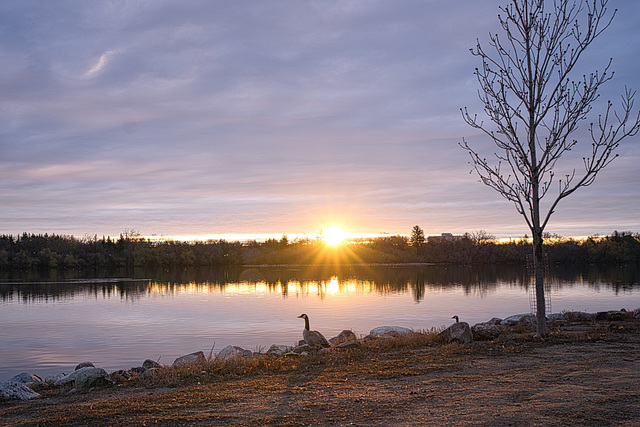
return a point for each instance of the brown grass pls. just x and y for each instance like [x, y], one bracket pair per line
[581, 374]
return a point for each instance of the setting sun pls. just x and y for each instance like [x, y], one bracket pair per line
[334, 236]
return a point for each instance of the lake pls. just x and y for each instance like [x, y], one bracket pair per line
[52, 321]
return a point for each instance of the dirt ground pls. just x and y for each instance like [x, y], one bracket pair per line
[582, 375]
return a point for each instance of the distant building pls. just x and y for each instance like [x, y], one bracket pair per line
[442, 237]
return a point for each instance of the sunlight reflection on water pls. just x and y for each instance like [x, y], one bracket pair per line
[50, 327]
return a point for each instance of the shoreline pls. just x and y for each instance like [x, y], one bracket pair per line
[585, 372]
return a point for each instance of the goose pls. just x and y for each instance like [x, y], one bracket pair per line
[457, 318]
[313, 338]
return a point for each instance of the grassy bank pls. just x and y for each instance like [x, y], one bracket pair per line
[585, 373]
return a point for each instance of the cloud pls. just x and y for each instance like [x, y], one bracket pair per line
[261, 117]
[99, 64]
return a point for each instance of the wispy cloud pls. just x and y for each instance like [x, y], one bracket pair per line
[99, 64]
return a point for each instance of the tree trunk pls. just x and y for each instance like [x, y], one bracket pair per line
[538, 268]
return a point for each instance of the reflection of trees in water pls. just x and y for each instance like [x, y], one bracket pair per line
[31, 287]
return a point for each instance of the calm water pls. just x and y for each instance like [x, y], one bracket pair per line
[51, 322]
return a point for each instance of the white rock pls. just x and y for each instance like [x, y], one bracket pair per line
[91, 377]
[487, 330]
[16, 390]
[344, 336]
[388, 331]
[198, 356]
[71, 377]
[231, 351]
[279, 349]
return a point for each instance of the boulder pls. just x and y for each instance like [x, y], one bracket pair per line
[71, 377]
[51, 379]
[614, 316]
[16, 390]
[232, 351]
[519, 318]
[84, 365]
[486, 331]
[344, 336]
[556, 317]
[303, 348]
[279, 350]
[89, 377]
[388, 331]
[458, 332]
[198, 356]
[25, 378]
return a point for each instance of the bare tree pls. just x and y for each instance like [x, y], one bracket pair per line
[535, 104]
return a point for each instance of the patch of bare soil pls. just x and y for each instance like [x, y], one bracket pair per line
[580, 375]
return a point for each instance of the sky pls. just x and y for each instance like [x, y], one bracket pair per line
[270, 117]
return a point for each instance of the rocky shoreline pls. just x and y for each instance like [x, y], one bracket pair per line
[87, 377]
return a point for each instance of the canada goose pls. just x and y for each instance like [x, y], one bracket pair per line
[457, 318]
[313, 338]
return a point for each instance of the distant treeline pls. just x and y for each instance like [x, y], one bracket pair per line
[44, 251]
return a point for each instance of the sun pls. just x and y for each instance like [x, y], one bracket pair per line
[334, 236]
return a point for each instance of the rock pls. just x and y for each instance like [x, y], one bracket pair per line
[279, 350]
[232, 351]
[495, 321]
[198, 356]
[25, 378]
[578, 316]
[88, 378]
[148, 364]
[388, 331]
[614, 316]
[556, 317]
[304, 348]
[349, 345]
[16, 390]
[486, 331]
[519, 318]
[84, 365]
[51, 379]
[458, 332]
[344, 336]
[71, 377]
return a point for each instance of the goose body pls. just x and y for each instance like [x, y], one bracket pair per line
[313, 338]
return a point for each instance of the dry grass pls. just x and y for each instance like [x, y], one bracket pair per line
[214, 369]
[409, 379]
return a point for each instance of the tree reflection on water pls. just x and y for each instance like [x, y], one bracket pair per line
[388, 279]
